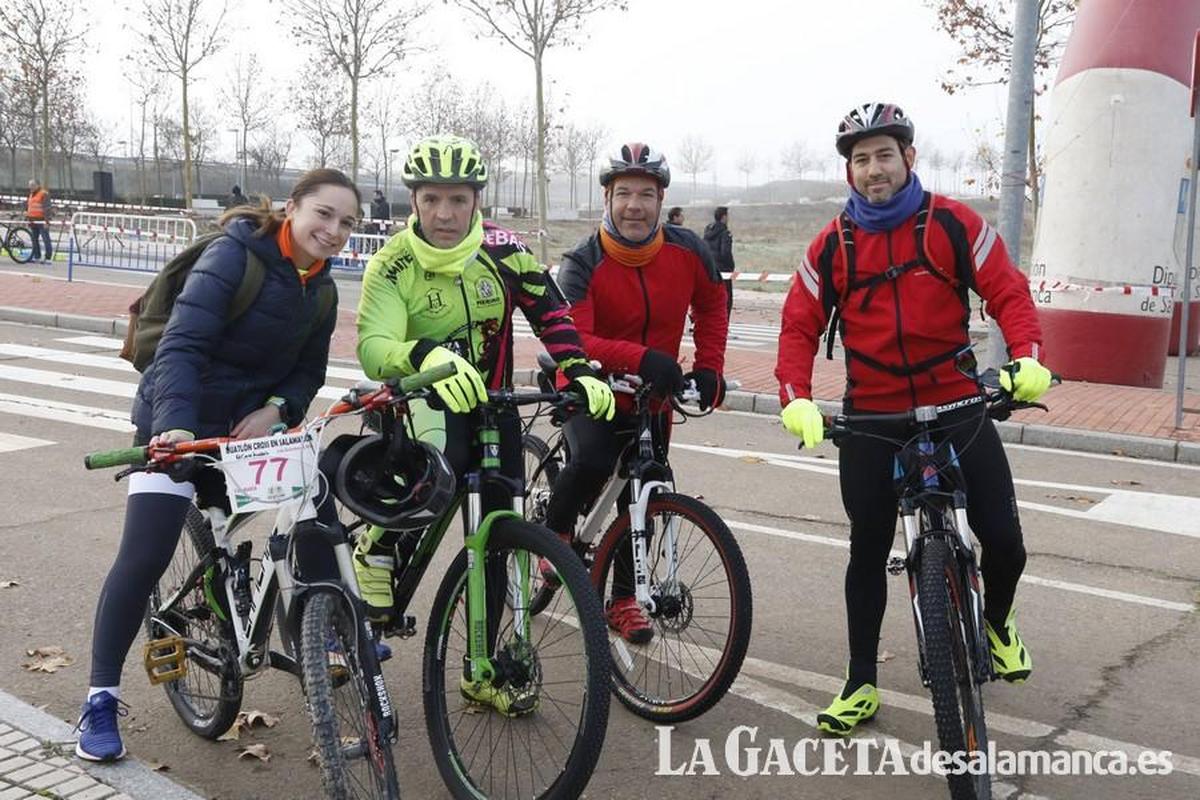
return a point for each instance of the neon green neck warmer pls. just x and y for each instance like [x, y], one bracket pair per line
[450, 261]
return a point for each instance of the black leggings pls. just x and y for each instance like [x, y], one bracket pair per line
[595, 447]
[869, 497]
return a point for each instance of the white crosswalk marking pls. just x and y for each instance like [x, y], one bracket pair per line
[65, 412]
[11, 441]
[103, 342]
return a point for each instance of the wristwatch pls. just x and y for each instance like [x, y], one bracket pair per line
[280, 404]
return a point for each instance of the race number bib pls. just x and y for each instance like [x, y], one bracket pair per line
[268, 472]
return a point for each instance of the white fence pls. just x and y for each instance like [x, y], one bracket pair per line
[126, 241]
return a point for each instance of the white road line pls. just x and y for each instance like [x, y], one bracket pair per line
[65, 412]
[1066, 586]
[11, 442]
[71, 357]
[1158, 512]
[61, 380]
[103, 342]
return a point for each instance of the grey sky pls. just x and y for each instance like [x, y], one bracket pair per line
[747, 75]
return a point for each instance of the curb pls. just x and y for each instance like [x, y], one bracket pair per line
[128, 775]
[1046, 436]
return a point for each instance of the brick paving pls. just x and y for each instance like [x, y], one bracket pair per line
[32, 769]
[1094, 407]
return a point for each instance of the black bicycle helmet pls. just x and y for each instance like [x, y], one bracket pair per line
[407, 491]
[874, 119]
[636, 158]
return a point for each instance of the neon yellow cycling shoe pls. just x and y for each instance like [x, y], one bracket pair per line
[845, 712]
[504, 699]
[1010, 657]
[374, 575]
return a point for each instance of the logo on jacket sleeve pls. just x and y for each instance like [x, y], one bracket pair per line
[485, 289]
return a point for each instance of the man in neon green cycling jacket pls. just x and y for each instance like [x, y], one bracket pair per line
[444, 290]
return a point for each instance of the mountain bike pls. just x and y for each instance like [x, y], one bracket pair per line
[689, 575]
[17, 240]
[954, 658]
[209, 623]
[554, 664]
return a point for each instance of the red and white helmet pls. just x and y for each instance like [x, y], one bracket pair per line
[874, 119]
[636, 158]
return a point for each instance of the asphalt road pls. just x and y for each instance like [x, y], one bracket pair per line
[1108, 609]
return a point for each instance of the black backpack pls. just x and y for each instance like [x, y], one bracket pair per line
[149, 314]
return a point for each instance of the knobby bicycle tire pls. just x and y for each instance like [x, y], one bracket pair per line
[703, 662]
[207, 707]
[957, 702]
[574, 619]
[354, 761]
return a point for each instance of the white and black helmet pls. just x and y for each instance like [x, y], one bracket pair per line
[874, 119]
[636, 158]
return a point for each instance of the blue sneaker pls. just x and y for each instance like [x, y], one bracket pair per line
[99, 737]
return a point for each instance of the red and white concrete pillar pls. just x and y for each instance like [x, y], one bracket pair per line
[1117, 140]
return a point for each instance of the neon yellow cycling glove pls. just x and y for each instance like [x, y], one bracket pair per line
[802, 419]
[601, 404]
[1025, 379]
[463, 390]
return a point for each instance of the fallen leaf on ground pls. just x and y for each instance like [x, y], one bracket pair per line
[1073, 498]
[47, 659]
[157, 767]
[752, 459]
[247, 720]
[258, 751]
[1125, 483]
[314, 757]
[9, 584]
[884, 656]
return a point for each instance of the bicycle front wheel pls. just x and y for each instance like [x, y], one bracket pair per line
[702, 616]
[957, 696]
[537, 729]
[541, 471]
[356, 762]
[19, 244]
[209, 696]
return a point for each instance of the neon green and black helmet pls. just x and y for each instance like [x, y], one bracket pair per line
[445, 159]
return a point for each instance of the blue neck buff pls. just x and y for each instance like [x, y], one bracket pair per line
[880, 217]
[612, 231]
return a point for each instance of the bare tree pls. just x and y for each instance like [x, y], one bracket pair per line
[983, 31]
[246, 96]
[147, 96]
[71, 125]
[11, 117]
[593, 135]
[532, 28]
[205, 133]
[440, 108]
[268, 153]
[98, 142]
[987, 160]
[363, 38]
[381, 114]
[745, 165]
[796, 159]
[40, 35]
[936, 160]
[571, 152]
[322, 113]
[178, 39]
[694, 156]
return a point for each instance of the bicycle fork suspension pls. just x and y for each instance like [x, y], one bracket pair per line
[639, 540]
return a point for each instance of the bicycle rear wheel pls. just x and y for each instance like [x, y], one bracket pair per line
[209, 697]
[949, 665]
[355, 760]
[557, 663]
[703, 617]
[541, 471]
[19, 244]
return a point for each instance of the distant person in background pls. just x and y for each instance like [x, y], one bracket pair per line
[37, 212]
[720, 241]
[236, 198]
[675, 216]
[381, 211]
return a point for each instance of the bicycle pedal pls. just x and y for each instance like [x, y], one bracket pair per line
[407, 626]
[895, 565]
[165, 659]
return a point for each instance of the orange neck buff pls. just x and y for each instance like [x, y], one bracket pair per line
[631, 256]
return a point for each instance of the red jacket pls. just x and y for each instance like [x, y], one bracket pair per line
[621, 311]
[915, 317]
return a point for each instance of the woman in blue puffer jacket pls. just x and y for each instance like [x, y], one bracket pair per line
[215, 377]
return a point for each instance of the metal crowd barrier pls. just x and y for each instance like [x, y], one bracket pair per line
[358, 252]
[126, 241]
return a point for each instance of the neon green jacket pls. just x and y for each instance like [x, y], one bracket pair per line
[416, 297]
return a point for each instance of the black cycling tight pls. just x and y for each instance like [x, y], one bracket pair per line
[868, 494]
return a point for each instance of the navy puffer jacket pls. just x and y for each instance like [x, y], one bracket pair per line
[207, 373]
